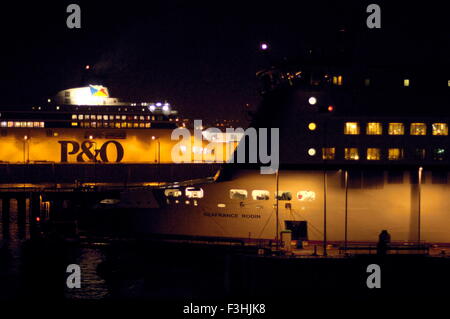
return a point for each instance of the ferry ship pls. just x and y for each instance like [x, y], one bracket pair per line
[86, 126]
[359, 153]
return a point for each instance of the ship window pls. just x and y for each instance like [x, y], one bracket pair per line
[194, 192]
[3, 124]
[351, 128]
[328, 153]
[124, 124]
[172, 192]
[406, 82]
[93, 124]
[306, 196]
[74, 123]
[373, 154]
[129, 125]
[439, 154]
[374, 128]
[418, 129]
[10, 124]
[440, 129]
[221, 205]
[260, 194]
[395, 154]
[135, 125]
[124, 117]
[147, 125]
[80, 116]
[105, 117]
[282, 195]
[111, 117]
[29, 124]
[99, 117]
[396, 129]
[153, 117]
[117, 125]
[239, 194]
[420, 153]
[351, 153]
[142, 118]
[74, 116]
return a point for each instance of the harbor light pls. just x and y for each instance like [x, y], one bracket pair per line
[312, 152]
[312, 100]
[264, 46]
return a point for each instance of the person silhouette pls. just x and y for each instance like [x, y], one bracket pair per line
[384, 239]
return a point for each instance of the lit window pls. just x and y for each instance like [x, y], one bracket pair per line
[374, 128]
[29, 124]
[194, 192]
[418, 129]
[367, 82]
[396, 129]
[172, 193]
[406, 82]
[282, 195]
[440, 129]
[74, 123]
[439, 154]
[395, 154]
[351, 128]
[221, 205]
[99, 117]
[312, 152]
[260, 195]
[328, 153]
[3, 124]
[80, 117]
[105, 117]
[306, 196]
[373, 154]
[74, 116]
[239, 194]
[335, 80]
[339, 80]
[312, 126]
[448, 83]
[351, 153]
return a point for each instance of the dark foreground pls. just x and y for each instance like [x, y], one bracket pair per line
[175, 274]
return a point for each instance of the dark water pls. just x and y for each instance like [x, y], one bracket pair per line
[136, 269]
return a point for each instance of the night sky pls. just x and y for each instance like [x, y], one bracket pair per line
[201, 56]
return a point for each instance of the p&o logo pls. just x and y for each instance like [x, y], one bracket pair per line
[89, 152]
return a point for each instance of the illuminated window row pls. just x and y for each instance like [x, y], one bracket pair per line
[374, 154]
[242, 194]
[95, 124]
[376, 128]
[100, 117]
[21, 124]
